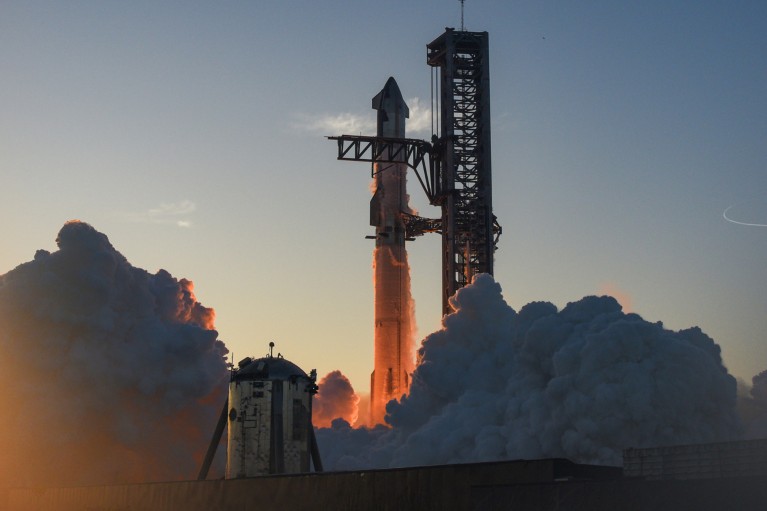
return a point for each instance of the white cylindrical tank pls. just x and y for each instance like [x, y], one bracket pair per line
[270, 418]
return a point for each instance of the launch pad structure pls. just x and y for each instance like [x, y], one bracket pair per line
[454, 168]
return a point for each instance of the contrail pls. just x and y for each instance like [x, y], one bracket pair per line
[747, 224]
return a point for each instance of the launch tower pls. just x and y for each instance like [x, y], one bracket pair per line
[454, 168]
[469, 229]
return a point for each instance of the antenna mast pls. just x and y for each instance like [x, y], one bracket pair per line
[462, 1]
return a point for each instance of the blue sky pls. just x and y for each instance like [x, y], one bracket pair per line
[192, 134]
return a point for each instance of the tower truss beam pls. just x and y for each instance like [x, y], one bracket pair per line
[416, 154]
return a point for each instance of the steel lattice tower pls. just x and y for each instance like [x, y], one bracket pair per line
[468, 226]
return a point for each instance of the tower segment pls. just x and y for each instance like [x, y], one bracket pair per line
[469, 228]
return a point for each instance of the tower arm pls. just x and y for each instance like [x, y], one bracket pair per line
[419, 155]
[418, 225]
[497, 231]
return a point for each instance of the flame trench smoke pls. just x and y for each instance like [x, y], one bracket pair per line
[107, 373]
[581, 383]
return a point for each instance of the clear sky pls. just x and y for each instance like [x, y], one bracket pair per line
[192, 133]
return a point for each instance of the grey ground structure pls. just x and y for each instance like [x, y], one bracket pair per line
[541, 485]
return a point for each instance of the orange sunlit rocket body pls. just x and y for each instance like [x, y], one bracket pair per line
[394, 314]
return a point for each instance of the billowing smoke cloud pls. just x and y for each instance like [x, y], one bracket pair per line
[334, 399]
[582, 383]
[107, 373]
[753, 406]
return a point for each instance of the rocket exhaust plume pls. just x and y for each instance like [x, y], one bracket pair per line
[107, 373]
[582, 383]
[394, 309]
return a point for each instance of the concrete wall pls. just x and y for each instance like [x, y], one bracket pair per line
[742, 494]
[541, 485]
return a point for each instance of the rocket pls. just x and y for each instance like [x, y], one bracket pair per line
[394, 311]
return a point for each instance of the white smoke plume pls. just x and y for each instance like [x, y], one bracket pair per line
[107, 373]
[581, 383]
[334, 399]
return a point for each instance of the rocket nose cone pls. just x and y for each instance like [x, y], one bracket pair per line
[392, 93]
[392, 87]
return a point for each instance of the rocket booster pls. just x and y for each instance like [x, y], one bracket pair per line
[394, 315]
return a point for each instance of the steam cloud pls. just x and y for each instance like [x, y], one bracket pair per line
[107, 373]
[753, 406]
[582, 383]
[335, 399]
[111, 374]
